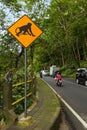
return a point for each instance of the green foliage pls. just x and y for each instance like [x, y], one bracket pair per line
[13, 4]
[63, 42]
[84, 64]
[18, 76]
[19, 108]
[64, 32]
[1, 116]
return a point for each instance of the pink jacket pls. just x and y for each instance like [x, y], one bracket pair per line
[58, 76]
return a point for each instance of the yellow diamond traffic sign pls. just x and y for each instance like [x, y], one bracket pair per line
[25, 30]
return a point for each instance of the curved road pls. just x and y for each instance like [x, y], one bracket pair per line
[74, 98]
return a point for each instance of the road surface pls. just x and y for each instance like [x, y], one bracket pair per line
[73, 100]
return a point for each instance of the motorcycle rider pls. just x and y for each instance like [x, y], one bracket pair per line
[58, 78]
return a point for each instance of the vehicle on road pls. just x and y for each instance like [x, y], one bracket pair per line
[59, 82]
[53, 69]
[58, 79]
[45, 73]
[81, 76]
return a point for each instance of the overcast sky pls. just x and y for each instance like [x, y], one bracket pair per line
[12, 16]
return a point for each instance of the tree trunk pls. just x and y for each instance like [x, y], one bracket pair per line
[78, 53]
[62, 55]
[7, 92]
[75, 56]
[85, 50]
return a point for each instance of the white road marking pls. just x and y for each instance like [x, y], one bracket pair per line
[70, 108]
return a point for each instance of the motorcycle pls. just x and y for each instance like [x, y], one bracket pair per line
[59, 82]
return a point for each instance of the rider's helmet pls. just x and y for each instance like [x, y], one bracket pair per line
[58, 72]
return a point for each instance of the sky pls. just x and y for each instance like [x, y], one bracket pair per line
[12, 16]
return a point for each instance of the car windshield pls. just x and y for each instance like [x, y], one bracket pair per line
[45, 70]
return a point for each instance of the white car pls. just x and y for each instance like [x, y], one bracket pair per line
[45, 72]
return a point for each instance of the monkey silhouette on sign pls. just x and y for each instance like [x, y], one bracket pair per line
[25, 29]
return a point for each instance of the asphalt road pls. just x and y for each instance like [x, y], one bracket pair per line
[74, 101]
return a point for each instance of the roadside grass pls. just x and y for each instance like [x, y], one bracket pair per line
[49, 110]
[49, 94]
[51, 105]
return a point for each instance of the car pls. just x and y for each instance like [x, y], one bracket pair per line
[45, 72]
[81, 76]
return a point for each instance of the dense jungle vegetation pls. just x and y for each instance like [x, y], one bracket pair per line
[63, 42]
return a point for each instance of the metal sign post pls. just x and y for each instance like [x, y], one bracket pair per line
[25, 103]
[27, 33]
